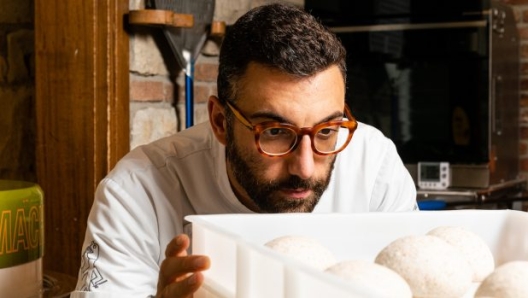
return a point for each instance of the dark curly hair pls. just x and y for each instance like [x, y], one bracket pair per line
[280, 36]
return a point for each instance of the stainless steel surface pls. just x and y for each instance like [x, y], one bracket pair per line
[395, 27]
[506, 191]
[462, 175]
[503, 104]
[504, 94]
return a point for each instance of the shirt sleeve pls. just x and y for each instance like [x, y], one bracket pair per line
[121, 254]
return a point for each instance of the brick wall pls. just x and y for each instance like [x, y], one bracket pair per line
[157, 83]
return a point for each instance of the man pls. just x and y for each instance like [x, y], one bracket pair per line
[279, 139]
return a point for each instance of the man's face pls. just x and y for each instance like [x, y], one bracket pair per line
[295, 182]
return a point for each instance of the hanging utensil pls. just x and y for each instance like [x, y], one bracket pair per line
[186, 43]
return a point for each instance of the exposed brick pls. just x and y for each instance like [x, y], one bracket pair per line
[523, 133]
[524, 164]
[214, 89]
[151, 124]
[523, 116]
[524, 84]
[168, 88]
[524, 100]
[517, 15]
[523, 31]
[524, 68]
[211, 47]
[136, 4]
[181, 96]
[230, 10]
[200, 114]
[201, 93]
[524, 51]
[206, 72]
[523, 148]
[149, 90]
[145, 55]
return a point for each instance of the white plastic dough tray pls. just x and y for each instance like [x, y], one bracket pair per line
[242, 267]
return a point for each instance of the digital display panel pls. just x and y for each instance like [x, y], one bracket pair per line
[430, 172]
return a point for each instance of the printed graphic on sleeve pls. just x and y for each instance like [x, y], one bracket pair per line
[90, 273]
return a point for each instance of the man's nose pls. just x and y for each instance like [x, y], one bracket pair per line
[302, 159]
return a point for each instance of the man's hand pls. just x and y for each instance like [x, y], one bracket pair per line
[180, 274]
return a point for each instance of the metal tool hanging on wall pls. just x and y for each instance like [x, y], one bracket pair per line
[186, 25]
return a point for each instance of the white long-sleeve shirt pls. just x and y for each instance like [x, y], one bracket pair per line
[140, 206]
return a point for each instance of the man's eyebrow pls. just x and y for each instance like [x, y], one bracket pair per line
[281, 119]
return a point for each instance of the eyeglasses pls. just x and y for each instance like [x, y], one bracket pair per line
[279, 139]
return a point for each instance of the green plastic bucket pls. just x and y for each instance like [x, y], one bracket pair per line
[21, 238]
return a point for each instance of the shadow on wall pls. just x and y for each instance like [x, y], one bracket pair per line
[17, 100]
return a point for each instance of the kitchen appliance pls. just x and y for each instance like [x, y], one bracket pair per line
[434, 175]
[440, 78]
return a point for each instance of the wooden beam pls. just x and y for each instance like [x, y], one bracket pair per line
[82, 107]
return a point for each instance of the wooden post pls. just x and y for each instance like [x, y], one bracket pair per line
[82, 107]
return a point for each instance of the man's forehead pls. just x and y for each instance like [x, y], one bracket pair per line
[265, 82]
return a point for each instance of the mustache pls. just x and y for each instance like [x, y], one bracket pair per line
[293, 182]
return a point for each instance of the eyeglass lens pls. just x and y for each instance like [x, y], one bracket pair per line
[279, 140]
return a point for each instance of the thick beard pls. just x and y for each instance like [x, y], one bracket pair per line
[265, 194]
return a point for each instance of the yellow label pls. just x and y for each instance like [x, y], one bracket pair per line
[21, 226]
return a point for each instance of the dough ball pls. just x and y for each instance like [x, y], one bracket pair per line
[305, 249]
[510, 280]
[380, 279]
[475, 250]
[431, 266]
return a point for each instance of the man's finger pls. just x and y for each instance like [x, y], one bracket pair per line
[184, 288]
[178, 246]
[173, 268]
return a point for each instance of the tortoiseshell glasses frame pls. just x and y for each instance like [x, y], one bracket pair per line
[276, 139]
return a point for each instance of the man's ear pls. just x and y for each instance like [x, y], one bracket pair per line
[217, 118]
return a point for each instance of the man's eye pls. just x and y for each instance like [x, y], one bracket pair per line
[278, 133]
[327, 131]
[272, 131]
